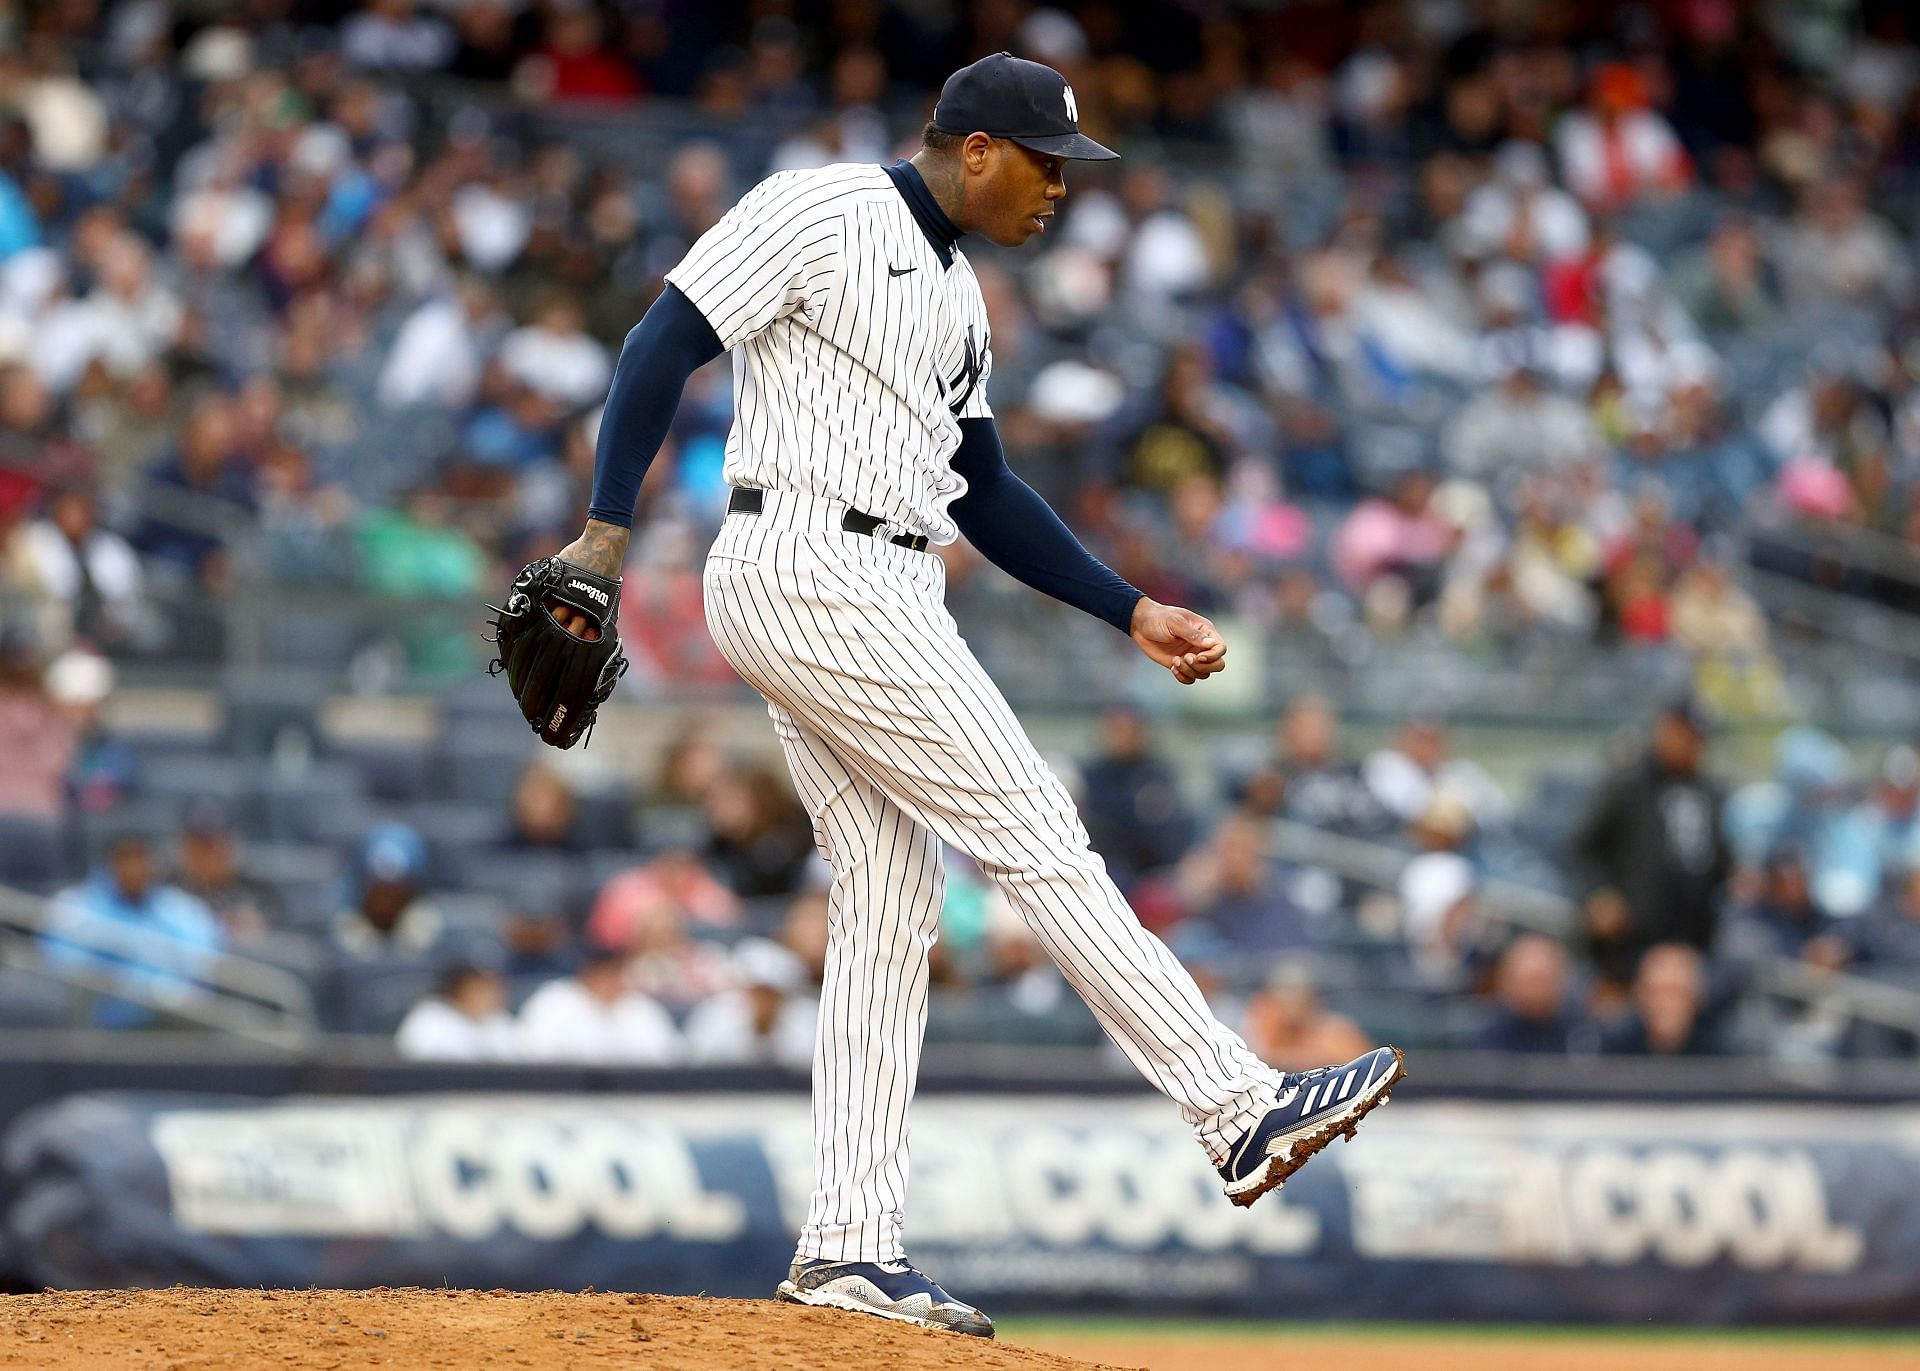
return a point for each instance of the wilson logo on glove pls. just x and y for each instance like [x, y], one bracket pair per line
[559, 678]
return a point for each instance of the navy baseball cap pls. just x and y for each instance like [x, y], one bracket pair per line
[1024, 102]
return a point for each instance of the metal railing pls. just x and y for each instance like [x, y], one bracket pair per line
[1523, 907]
[221, 991]
[1868, 563]
[1379, 865]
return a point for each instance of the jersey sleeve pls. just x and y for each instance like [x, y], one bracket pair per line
[776, 252]
[976, 406]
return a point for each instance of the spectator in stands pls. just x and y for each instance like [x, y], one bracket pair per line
[1399, 539]
[420, 551]
[539, 942]
[543, 814]
[103, 771]
[1617, 149]
[596, 1017]
[803, 932]
[768, 1018]
[1727, 286]
[1233, 891]
[1308, 780]
[1020, 996]
[554, 357]
[466, 1020]
[1650, 849]
[1554, 559]
[1722, 627]
[147, 941]
[1132, 804]
[1520, 427]
[1783, 919]
[1405, 777]
[1287, 1026]
[1442, 920]
[391, 915]
[1669, 1007]
[440, 352]
[1886, 940]
[1838, 251]
[208, 867]
[39, 749]
[649, 914]
[89, 571]
[1808, 804]
[1882, 835]
[392, 35]
[198, 490]
[759, 839]
[1186, 434]
[1533, 1011]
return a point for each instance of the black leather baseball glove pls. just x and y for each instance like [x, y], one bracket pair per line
[559, 677]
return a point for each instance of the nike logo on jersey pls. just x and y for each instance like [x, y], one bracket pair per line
[900, 271]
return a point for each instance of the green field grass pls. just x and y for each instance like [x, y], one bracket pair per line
[1240, 1329]
[1248, 1345]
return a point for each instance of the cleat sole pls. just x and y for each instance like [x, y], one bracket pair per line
[1301, 1150]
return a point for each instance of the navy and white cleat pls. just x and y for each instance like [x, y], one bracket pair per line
[892, 1290]
[1314, 1108]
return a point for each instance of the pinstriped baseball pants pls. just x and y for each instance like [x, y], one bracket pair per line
[898, 741]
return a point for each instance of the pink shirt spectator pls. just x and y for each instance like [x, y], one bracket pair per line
[1380, 535]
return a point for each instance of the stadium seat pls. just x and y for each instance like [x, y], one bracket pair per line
[31, 1000]
[604, 818]
[319, 643]
[206, 775]
[472, 911]
[456, 833]
[389, 769]
[155, 816]
[510, 873]
[32, 853]
[483, 770]
[310, 805]
[261, 706]
[306, 879]
[372, 997]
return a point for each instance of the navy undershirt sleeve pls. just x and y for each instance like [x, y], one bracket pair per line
[667, 346]
[1018, 532]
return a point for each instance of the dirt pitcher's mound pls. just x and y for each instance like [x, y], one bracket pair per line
[292, 1330]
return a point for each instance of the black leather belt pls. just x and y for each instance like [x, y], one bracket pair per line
[748, 500]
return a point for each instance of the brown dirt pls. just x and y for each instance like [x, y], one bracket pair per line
[449, 1330]
[1429, 1350]
[295, 1330]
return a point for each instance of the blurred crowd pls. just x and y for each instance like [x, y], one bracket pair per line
[684, 918]
[1477, 325]
[1491, 327]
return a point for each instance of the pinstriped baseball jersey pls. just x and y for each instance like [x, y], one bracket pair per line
[861, 342]
[859, 348]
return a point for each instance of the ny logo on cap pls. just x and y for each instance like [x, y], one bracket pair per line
[1073, 106]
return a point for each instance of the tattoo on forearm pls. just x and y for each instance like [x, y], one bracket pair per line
[602, 549]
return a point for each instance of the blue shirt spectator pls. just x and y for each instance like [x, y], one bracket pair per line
[1785, 918]
[19, 227]
[1233, 889]
[147, 939]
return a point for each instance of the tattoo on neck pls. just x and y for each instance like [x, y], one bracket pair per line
[943, 178]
